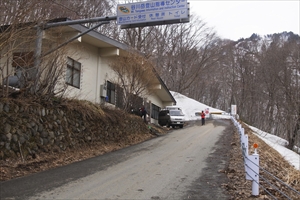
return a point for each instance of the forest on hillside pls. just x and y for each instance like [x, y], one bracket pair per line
[259, 74]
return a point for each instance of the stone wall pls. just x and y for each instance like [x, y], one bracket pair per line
[28, 128]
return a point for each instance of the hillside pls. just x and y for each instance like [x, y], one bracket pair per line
[270, 160]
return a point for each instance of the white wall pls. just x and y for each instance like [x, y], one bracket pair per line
[87, 55]
[95, 72]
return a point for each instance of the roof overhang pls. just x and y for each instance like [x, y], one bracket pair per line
[106, 44]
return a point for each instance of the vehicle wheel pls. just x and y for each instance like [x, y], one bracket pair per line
[181, 126]
[173, 126]
[168, 124]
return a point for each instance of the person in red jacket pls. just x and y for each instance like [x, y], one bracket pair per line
[143, 113]
[203, 118]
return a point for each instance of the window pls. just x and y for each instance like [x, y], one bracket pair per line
[73, 73]
[155, 111]
[176, 113]
[111, 93]
[119, 97]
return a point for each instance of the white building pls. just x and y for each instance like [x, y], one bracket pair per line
[85, 64]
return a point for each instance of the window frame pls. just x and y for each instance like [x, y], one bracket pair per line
[155, 111]
[73, 72]
[111, 92]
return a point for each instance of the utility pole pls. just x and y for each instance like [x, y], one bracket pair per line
[37, 57]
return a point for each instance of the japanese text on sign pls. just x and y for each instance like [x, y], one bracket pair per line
[152, 11]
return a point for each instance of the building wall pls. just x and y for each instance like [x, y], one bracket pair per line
[93, 71]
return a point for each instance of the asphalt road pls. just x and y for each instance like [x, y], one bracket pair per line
[183, 164]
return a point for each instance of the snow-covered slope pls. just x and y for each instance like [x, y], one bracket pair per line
[190, 106]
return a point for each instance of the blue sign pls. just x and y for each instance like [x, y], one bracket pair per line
[152, 11]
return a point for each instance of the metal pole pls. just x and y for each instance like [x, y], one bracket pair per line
[37, 56]
[255, 181]
[79, 21]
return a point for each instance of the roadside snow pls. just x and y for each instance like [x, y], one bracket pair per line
[279, 145]
[190, 106]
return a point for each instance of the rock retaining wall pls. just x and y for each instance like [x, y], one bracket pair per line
[29, 128]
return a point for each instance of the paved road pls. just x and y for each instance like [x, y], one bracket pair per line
[183, 164]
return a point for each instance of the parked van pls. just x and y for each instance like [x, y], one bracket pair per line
[171, 116]
[173, 108]
[177, 118]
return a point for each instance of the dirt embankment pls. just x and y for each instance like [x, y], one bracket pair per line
[270, 161]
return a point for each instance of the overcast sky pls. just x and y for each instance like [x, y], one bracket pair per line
[240, 18]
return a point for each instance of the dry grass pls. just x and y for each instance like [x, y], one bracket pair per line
[86, 108]
[271, 161]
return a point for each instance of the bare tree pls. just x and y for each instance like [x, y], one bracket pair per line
[136, 75]
[19, 20]
[288, 77]
[20, 11]
[17, 65]
[185, 50]
[265, 74]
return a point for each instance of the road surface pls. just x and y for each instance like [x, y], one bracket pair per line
[182, 164]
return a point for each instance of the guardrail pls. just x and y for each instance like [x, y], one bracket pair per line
[251, 163]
